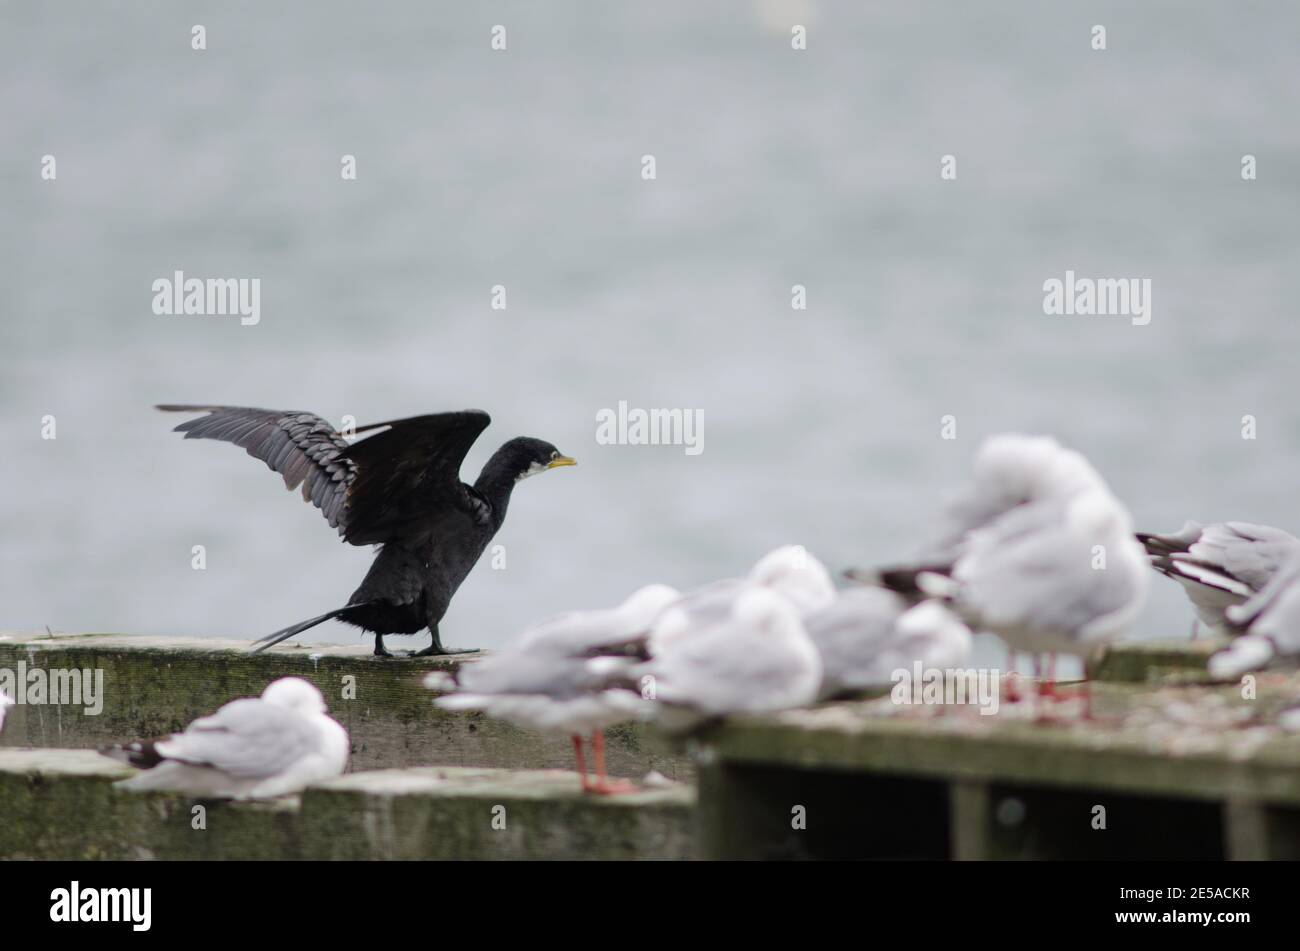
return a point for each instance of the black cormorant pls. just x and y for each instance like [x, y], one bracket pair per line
[399, 489]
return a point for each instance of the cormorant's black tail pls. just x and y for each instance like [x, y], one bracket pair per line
[285, 633]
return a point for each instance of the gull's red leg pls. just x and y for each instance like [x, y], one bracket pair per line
[1045, 671]
[582, 763]
[1011, 692]
[603, 783]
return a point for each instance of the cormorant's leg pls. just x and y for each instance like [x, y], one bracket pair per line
[604, 785]
[437, 650]
[582, 766]
[380, 649]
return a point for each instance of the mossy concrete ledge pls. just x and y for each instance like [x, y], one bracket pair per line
[1168, 770]
[157, 685]
[1137, 662]
[62, 804]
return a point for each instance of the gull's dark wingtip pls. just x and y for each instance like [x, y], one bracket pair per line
[1155, 544]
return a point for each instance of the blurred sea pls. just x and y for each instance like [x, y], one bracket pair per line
[522, 168]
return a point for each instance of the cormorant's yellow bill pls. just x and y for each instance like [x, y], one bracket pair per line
[561, 461]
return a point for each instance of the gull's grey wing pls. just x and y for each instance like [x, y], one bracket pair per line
[576, 633]
[1249, 553]
[852, 634]
[1041, 576]
[725, 669]
[1166, 543]
[246, 739]
[539, 672]
[1220, 565]
[1274, 612]
[869, 633]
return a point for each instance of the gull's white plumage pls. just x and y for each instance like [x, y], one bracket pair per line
[5, 704]
[759, 659]
[867, 634]
[577, 632]
[791, 571]
[253, 748]
[539, 690]
[1037, 550]
[1063, 578]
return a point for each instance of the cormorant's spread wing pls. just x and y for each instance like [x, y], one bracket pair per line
[302, 447]
[407, 473]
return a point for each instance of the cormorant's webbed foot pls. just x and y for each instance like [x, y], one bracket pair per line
[437, 650]
[380, 649]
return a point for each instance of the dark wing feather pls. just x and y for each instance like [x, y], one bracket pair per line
[142, 754]
[302, 447]
[408, 473]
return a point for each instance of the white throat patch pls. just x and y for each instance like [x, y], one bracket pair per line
[532, 470]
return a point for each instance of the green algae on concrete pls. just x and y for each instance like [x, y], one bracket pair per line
[458, 813]
[157, 685]
[62, 804]
[1137, 662]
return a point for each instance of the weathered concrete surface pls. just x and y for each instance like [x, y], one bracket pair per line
[1156, 661]
[156, 685]
[486, 814]
[61, 804]
[1184, 771]
[1183, 768]
[1198, 742]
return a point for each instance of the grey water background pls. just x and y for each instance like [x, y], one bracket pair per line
[522, 168]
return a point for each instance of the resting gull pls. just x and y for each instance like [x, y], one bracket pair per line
[758, 659]
[253, 748]
[1036, 550]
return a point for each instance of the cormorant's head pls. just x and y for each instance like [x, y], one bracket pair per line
[526, 456]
